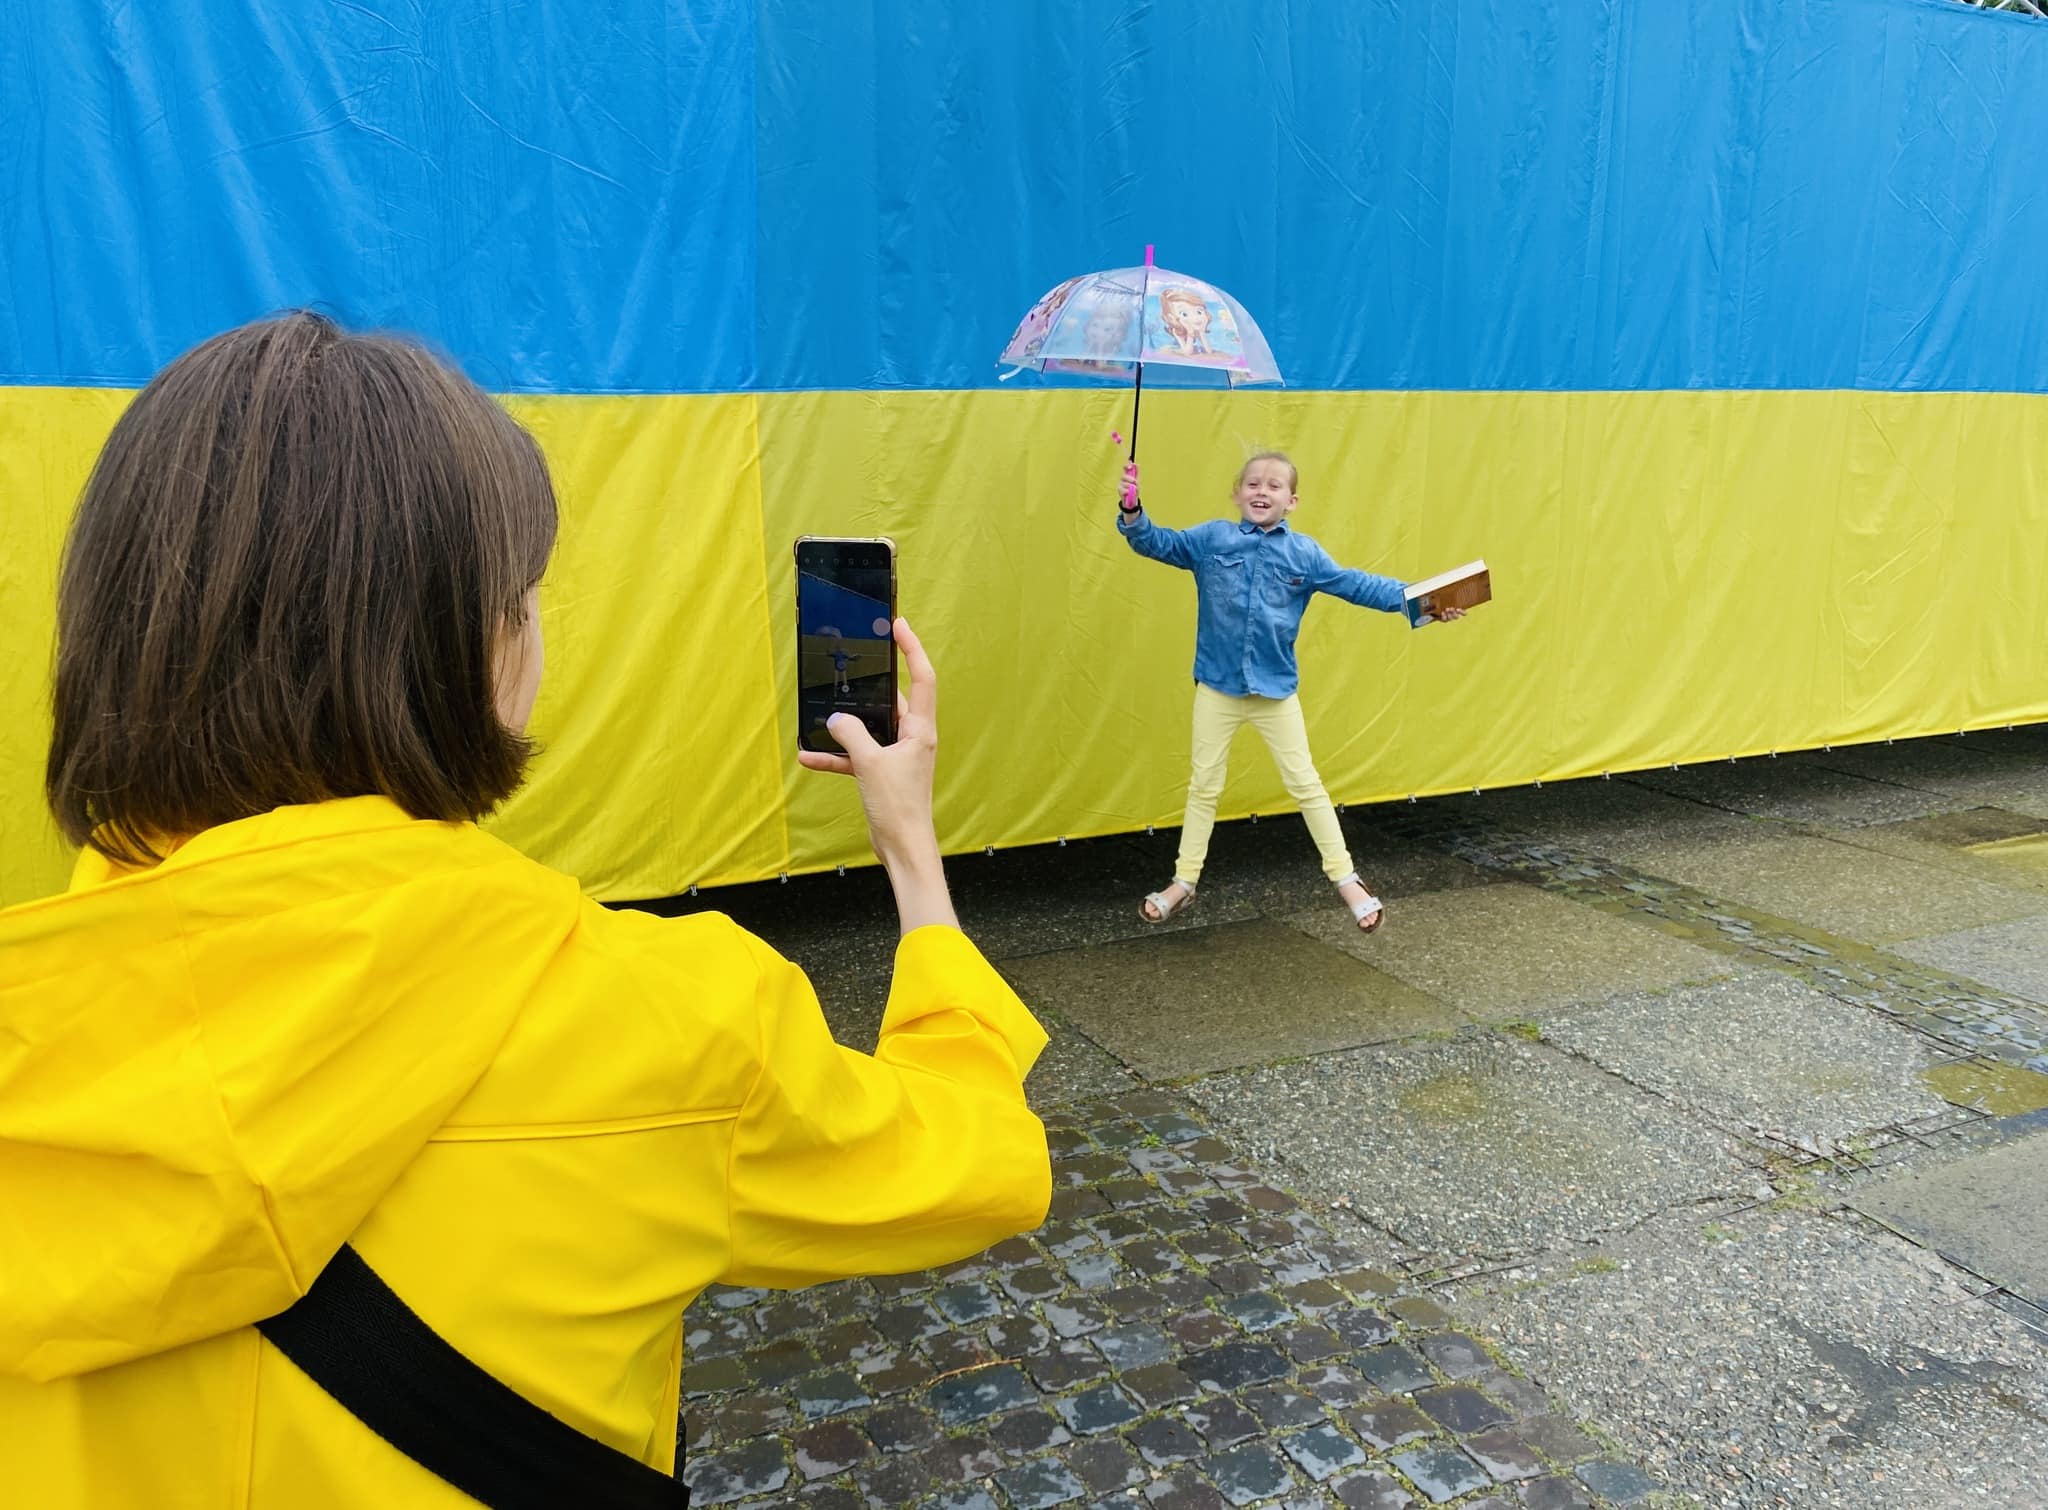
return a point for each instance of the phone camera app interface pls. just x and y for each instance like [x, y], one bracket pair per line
[846, 647]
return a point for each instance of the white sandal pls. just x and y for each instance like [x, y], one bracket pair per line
[1157, 902]
[1372, 907]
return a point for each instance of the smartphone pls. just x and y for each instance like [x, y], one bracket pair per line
[845, 637]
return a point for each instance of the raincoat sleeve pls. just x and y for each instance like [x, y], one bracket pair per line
[846, 1163]
[1182, 548]
[1360, 587]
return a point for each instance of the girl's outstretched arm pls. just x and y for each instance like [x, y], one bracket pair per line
[1182, 548]
[1353, 586]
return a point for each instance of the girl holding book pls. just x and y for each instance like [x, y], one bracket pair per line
[1254, 577]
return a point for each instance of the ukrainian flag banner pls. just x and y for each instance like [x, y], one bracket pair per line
[1714, 329]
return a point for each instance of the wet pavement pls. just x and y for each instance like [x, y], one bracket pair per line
[1683, 1139]
[1179, 1327]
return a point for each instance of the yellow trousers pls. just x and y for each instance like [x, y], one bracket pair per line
[1218, 717]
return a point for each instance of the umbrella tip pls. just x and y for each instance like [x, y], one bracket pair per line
[1148, 254]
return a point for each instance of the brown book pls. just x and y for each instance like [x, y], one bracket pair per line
[1465, 586]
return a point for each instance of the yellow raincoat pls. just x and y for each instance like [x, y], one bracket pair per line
[545, 1124]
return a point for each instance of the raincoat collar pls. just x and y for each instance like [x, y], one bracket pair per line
[280, 826]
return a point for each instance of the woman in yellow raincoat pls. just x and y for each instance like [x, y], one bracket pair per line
[294, 997]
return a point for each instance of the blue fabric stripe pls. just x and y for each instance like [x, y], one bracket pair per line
[560, 194]
[785, 194]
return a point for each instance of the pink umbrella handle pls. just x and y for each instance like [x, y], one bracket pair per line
[1127, 490]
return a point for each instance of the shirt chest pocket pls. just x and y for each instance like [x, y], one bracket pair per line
[1286, 586]
[1225, 574]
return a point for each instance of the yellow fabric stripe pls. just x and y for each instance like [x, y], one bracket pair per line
[1679, 576]
[661, 751]
[48, 440]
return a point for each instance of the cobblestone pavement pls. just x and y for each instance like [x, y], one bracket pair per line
[1180, 1333]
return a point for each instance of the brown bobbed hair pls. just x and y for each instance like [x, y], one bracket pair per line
[286, 582]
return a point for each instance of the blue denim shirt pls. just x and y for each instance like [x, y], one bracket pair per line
[1253, 586]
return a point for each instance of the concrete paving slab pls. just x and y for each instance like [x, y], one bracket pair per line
[2027, 741]
[1870, 897]
[1985, 843]
[1218, 998]
[1047, 898]
[1593, 814]
[1761, 1053]
[1977, 770]
[1989, 1212]
[1934, 763]
[1785, 1358]
[1481, 1146]
[1271, 867]
[2009, 956]
[1801, 789]
[2027, 853]
[1507, 951]
[1967, 829]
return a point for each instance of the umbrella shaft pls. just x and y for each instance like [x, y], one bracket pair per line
[1137, 393]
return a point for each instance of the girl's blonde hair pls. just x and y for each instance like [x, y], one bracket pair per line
[1293, 473]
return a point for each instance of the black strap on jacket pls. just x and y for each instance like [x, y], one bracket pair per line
[358, 1341]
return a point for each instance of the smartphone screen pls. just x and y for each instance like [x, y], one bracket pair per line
[846, 648]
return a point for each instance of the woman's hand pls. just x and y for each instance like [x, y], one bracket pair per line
[896, 789]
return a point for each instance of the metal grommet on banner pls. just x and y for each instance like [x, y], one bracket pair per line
[1148, 830]
[842, 870]
[1607, 775]
[1063, 841]
[693, 888]
[1539, 783]
[1411, 799]
[783, 878]
[988, 849]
